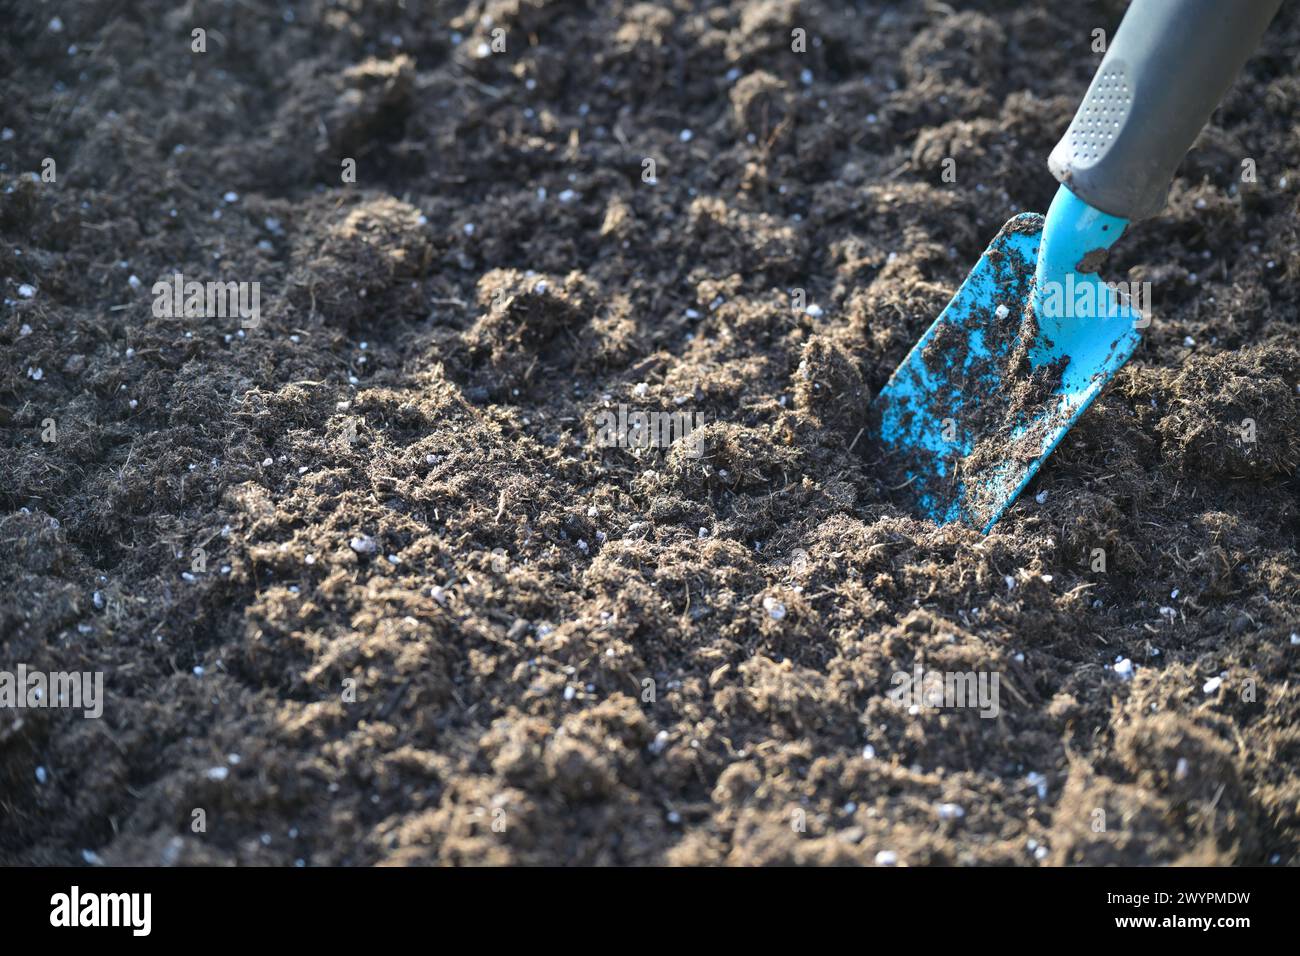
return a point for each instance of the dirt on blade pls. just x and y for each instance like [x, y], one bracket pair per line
[364, 586]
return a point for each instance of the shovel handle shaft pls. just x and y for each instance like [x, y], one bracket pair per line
[1165, 71]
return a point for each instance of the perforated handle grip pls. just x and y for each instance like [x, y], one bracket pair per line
[1167, 67]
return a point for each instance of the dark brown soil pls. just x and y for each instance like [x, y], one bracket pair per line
[438, 622]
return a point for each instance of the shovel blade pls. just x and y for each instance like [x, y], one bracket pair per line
[1011, 363]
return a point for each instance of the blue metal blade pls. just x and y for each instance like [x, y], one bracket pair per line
[1025, 317]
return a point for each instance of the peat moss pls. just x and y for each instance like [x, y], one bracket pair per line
[435, 622]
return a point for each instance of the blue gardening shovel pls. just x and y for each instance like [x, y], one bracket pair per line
[1034, 334]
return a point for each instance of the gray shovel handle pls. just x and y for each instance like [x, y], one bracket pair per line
[1167, 67]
